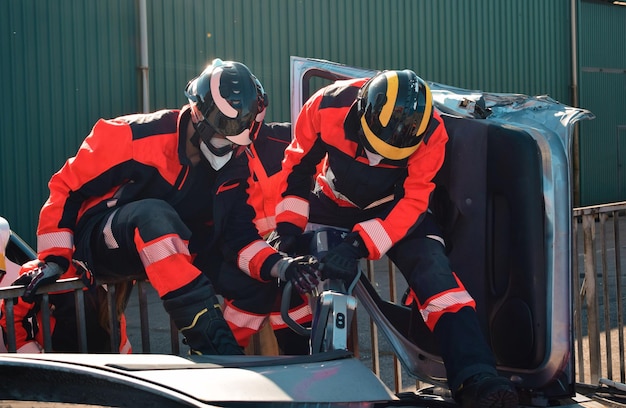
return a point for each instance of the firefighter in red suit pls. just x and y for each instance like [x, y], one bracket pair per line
[165, 193]
[382, 143]
[250, 303]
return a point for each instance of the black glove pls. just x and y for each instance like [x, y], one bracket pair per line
[283, 239]
[302, 271]
[342, 261]
[43, 273]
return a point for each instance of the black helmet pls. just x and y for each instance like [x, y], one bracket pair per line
[227, 99]
[394, 108]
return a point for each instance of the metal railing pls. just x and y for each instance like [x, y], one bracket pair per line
[597, 284]
[10, 294]
[598, 292]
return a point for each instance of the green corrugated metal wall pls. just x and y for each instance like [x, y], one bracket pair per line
[66, 63]
[603, 91]
[495, 45]
[63, 64]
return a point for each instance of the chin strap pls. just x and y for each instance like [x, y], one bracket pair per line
[203, 133]
[195, 139]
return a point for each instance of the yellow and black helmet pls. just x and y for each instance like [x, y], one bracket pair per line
[394, 108]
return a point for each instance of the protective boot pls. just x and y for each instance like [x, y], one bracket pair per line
[486, 390]
[470, 365]
[196, 312]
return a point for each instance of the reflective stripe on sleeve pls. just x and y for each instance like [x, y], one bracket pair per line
[294, 205]
[245, 260]
[378, 236]
[59, 239]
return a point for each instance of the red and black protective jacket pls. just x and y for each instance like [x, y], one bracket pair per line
[320, 134]
[143, 156]
[268, 151]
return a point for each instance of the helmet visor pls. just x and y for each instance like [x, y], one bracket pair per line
[383, 148]
[237, 135]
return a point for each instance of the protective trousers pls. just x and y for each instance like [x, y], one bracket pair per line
[446, 307]
[149, 236]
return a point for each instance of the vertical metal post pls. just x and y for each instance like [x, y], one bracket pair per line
[143, 316]
[574, 102]
[354, 335]
[45, 323]
[174, 338]
[393, 297]
[144, 62]
[114, 320]
[578, 294]
[8, 306]
[591, 298]
[618, 285]
[79, 301]
[605, 295]
[373, 328]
